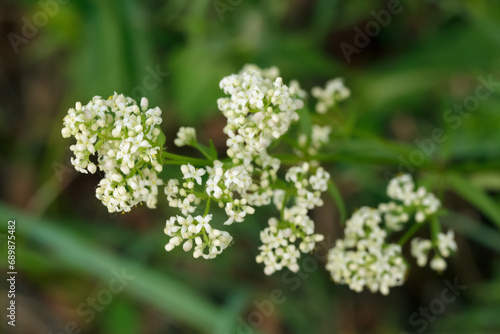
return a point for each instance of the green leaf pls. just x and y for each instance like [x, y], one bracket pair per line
[486, 180]
[475, 196]
[213, 150]
[121, 318]
[472, 229]
[155, 288]
[196, 88]
[333, 190]
[160, 141]
[305, 122]
[208, 152]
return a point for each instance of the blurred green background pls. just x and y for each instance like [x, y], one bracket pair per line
[429, 57]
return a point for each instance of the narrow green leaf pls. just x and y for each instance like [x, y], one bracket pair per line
[208, 152]
[213, 150]
[475, 196]
[160, 141]
[149, 286]
[333, 190]
[236, 305]
[305, 122]
[121, 318]
[472, 229]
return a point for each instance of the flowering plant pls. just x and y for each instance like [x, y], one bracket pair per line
[123, 139]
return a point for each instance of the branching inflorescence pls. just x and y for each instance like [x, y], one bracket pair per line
[124, 141]
[365, 257]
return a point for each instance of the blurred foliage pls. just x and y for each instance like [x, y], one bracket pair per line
[428, 58]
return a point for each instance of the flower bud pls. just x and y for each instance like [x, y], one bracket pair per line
[187, 246]
[144, 103]
[92, 168]
[65, 133]
[197, 253]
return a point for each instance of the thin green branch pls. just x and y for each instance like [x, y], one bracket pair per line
[407, 236]
[180, 159]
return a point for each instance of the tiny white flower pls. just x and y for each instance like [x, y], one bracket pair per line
[190, 172]
[213, 186]
[446, 243]
[139, 142]
[203, 222]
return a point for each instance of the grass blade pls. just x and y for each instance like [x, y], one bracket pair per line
[149, 286]
[472, 229]
[333, 190]
[475, 196]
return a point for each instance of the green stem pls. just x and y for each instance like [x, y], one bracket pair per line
[98, 144]
[282, 212]
[207, 208]
[205, 237]
[416, 226]
[175, 162]
[180, 159]
[435, 230]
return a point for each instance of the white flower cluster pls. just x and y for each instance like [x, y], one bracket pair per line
[186, 136]
[264, 171]
[279, 247]
[226, 187]
[124, 136]
[423, 203]
[364, 258]
[444, 245]
[123, 139]
[196, 232]
[320, 135]
[260, 109]
[334, 92]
